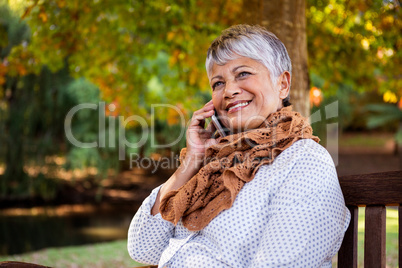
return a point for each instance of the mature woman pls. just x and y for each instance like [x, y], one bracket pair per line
[265, 195]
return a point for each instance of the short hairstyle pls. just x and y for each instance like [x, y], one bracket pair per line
[253, 42]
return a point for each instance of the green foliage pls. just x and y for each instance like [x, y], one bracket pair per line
[121, 46]
[30, 107]
[35, 108]
[43, 186]
[144, 52]
[32, 123]
[134, 54]
[383, 115]
[32, 116]
[357, 43]
[85, 128]
[13, 31]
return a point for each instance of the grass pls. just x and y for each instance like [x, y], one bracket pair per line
[365, 140]
[110, 254]
[114, 254]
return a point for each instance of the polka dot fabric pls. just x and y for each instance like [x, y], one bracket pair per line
[292, 214]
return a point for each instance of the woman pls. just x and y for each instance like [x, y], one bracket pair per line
[265, 195]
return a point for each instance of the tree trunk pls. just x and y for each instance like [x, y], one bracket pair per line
[287, 20]
[399, 147]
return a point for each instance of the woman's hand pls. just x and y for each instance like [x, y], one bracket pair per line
[199, 138]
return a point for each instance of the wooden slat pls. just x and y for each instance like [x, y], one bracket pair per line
[400, 234]
[374, 237]
[372, 189]
[347, 255]
[17, 264]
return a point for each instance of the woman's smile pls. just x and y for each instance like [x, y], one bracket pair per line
[237, 106]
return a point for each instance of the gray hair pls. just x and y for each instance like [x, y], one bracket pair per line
[253, 42]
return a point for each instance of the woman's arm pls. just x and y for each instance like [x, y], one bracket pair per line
[185, 171]
[307, 219]
[197, 140]
[149, 234]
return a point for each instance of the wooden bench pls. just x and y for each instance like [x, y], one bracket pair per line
[374, 191]
[17, 264]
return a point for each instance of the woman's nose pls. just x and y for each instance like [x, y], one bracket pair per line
[231, 89]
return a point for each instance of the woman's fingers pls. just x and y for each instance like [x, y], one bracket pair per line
[204, 132]
[208, 103]
[198, 119]
[197, 135]
[211, 127]
[207, 107]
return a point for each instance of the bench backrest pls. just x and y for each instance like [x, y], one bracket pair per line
[374, 191]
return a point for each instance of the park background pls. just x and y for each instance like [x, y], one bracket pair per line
[126, 56]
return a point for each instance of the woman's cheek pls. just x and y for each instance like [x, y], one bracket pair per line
[214, 98]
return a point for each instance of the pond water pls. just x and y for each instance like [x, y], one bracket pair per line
[25, 230]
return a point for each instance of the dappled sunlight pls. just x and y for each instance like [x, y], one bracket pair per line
[58, 160]
[59, 211]
[66, 210]
[54, 168]
[129, 195]
[105, 233]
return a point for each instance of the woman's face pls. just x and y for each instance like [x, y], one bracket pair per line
[243, 94]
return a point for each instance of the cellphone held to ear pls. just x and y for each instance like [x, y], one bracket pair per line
[218, 125]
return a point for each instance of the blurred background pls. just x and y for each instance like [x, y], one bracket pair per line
[126, 61]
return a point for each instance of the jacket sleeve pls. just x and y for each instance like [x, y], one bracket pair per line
[148, 235]
[307, 218]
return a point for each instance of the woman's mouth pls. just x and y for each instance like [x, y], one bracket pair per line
[237, 106]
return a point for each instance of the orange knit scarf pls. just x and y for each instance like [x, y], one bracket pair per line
[229, 165]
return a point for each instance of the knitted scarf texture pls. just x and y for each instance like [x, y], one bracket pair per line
[230, 164]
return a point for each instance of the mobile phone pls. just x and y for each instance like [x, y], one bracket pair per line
[218, 125]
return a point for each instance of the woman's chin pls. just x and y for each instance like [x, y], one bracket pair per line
[237, 127]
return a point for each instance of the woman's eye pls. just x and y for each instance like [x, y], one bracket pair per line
[217, 84]
[243, 74]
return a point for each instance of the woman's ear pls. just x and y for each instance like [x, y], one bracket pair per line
[284, 84]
